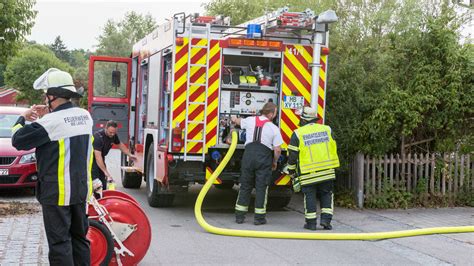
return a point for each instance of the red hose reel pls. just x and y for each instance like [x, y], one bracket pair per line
[117, 217]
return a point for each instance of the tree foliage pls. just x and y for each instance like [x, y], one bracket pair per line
[16, 21]
[117, 38]
[397, 72]
[60, 50]
[26, 67]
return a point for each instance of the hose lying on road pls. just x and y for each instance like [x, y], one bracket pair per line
[297, 235]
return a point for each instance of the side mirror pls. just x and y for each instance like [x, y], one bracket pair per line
[115, 78]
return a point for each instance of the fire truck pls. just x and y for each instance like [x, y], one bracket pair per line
[174, 96]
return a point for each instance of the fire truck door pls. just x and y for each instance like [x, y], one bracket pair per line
[109, 93]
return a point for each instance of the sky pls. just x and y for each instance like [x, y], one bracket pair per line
[79, 23]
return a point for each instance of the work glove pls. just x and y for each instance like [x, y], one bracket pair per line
[110, 183]
[296, 183]
[96, 184]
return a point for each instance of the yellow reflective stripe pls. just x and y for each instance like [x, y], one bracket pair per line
[241, 208]
[62, 151]
[260, 210]
[292, 166]
[89, 168]
[317, 180]
[15, 128]
[307, 169]
[293, 148]
[265, 202]
[320, 163]
[310, 215]
[327, 210]
[318, 174]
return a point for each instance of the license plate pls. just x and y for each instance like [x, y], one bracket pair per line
[3, 171]
[293, 102]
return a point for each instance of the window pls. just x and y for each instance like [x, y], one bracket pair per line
[110, 79]
[6, 123]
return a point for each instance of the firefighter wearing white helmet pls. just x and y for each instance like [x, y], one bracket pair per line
[62, 136]
[312, 159]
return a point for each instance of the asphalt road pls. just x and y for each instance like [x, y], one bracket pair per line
[178, 239]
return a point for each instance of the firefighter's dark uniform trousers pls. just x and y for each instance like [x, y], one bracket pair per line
[65, 228]
[256, 169]
[324, 193]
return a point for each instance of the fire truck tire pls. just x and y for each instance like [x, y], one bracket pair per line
[102, 243]
[157, 194]
[279, 197]
[277, 203]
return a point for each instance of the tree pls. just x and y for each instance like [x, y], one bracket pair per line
[60, 49]
[16, 21]
[118, 38]
[243, 10]
[397, 72]
[2, 79]
[29, 64]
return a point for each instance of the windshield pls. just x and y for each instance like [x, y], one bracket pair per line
[6, 123]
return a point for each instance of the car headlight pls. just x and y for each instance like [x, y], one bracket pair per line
[28, 158]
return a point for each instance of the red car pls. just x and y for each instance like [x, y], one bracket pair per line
[17, 168]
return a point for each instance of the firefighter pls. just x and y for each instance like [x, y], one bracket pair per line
[258, 161]
[312, 159]
[62, 136]
[103, 141]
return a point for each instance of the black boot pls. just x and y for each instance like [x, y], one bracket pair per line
[326, 225]
[239, 217]
[326, 221]
[310, 224]
[259, 219]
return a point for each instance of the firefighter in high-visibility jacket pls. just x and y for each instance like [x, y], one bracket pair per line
[311, 162]
[62, 136]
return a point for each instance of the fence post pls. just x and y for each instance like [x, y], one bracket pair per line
[397, 174]
[469, 172]
[409, 173]
[415, 172]
[432, 174]
[359, 180]
[443, 177]
[374, 179]
[391, 170]
[461, 179]
[456, 165]
[379, 176]
[427, 171]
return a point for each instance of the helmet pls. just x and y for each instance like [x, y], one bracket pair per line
[308, 113]
[57, 83]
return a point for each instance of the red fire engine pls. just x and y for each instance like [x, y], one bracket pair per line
[174, 96]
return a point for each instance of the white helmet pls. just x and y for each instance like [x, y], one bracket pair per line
[308, 113]
[56, 83]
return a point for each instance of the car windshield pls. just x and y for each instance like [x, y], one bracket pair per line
[6, 123]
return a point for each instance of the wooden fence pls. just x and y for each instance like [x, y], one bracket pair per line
[434, 173]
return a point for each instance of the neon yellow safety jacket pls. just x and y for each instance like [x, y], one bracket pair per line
[313, 154]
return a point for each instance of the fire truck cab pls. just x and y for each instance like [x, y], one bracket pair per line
[174, 96]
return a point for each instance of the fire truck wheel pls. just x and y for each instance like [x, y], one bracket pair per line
[158, 195]
[101, 243]
[279, 197]
[278, 203]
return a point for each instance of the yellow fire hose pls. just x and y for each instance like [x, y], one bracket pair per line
[297, 235]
